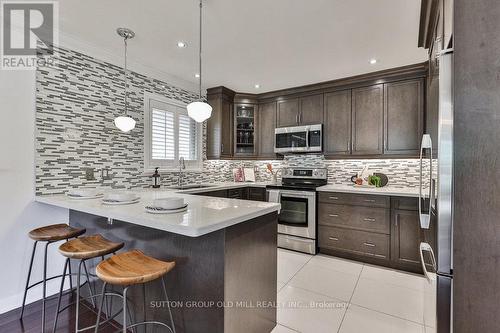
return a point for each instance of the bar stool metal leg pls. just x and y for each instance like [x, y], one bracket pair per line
[28, 278]
[168, 303]
[87, 276]
[70, 275]
[44, 285]
[61, 288]
[103, 295]
[125, 310]
[77, 316]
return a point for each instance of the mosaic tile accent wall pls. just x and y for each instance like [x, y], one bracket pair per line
[401, 172]
[76, 105]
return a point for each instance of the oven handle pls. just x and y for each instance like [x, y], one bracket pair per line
[306, 195]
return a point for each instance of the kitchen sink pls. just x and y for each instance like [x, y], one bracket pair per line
[190, 186]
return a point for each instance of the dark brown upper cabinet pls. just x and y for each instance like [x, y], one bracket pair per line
[337, 123]
[403, 116]
[311, 110]
[288, 112]
[306, 110]
[265, 130]
[368, 120]
[220, 124]
[375, 115]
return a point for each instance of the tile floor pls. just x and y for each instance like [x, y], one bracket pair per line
[326, 294]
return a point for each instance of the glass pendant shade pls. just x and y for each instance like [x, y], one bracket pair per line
[199, 111]
[125, 123]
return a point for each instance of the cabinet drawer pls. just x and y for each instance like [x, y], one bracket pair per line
[366, 218]
[355, 199]
[355, 241]
[404, 203]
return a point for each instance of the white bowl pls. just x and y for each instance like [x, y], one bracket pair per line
[123, 197]
[169, 203]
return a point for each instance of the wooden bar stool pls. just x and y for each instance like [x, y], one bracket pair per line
[133, 268]
[82, 249]
[48, 234]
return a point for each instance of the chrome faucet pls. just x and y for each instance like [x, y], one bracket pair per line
[182, 166]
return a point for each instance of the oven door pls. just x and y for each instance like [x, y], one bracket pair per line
[298, 214]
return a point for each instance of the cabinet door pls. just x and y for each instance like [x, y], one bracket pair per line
[288, 112]
[311, 110]
[245, 117]
[257, 193]
[367, 120]
[226, 129]
[403, 116]
[220, 128]
[214, 143]
[267, 124]
[406, 237]
[337, 124]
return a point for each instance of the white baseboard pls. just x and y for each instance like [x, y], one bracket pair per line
[34, 294]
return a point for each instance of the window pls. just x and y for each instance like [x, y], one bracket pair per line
[170, 134]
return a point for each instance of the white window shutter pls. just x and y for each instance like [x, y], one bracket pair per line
[162, 135]
[187, 138]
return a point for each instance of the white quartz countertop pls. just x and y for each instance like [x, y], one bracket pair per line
[386, 190]
[204, 214]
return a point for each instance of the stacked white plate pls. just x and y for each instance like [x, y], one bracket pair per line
[167, 206]
[84, 193]
[118, 198]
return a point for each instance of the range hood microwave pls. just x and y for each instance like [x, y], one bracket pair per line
[298, 139]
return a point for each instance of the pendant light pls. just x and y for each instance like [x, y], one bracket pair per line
[125, 123]
[199, 110]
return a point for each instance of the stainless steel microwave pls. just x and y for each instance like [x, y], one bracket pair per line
[298, 139]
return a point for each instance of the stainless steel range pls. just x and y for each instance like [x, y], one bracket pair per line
[297, 218]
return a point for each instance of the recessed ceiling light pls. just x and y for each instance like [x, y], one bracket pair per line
[181, 44]
[197, 75]
[373, 61]
[257, 86]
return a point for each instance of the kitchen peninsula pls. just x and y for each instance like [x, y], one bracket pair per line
[224, 249]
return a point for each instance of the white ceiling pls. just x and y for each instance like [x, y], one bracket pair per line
[276, 43]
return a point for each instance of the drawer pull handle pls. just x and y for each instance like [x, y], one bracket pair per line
[369, 244]
[369, 200]
[333, 215]
[333, 238]
[369, 219]
[334, 198]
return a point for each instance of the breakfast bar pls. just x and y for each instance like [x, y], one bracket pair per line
[224, 250]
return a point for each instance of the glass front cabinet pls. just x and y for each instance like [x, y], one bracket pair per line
[245, 117]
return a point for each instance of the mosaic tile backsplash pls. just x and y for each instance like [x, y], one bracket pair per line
[76, 104]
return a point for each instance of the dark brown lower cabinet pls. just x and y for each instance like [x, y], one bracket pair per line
[257, 193]
[237, 193]
[217, 193]
[356, 242]
[360, 228]
[406, 237]
[243, 193]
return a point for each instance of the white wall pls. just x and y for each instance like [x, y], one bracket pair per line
[18, 212]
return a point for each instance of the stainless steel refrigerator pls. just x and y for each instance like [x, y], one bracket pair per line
[436, 206]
